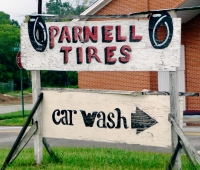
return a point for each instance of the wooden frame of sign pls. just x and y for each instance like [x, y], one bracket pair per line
[102, 46]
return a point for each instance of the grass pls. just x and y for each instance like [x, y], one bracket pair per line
[93, 159]
[17, 93]
[13, 118]
[73, 86]
[62, 87]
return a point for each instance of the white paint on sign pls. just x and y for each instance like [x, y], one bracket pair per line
[108, 49]
[56, 106]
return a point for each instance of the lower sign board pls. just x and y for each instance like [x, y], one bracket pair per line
[103, 117]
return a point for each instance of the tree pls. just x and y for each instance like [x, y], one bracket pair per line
[85, 3]
[59, 8]
[65, 8]
[9, 37]
[26, 19]
[4, 18]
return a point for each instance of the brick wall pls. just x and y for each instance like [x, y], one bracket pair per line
[124, 7]
[135, 81]
[191, 40]
[164, 4]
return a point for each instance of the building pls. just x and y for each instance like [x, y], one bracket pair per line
[189, 71]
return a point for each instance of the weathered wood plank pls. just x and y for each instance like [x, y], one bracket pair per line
[36, 90]
[49, 150]
[185, 141]
[174, 109]
[174, 106]
[174, 157]
[188, 153]
[22, 132]
[57, 107]
[167, 93]
[24, 141]
[63, 55]
[122, 92]
[52, 18]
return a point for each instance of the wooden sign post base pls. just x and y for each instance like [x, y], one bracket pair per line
[184, 144]
[23, 138]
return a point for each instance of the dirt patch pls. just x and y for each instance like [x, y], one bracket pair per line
[11, 100]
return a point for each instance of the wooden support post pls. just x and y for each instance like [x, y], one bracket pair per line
[19, 143]
[50, 151]
[174, 110]
[174, 107]
[39, 6]
[187, 146]
[174, 156]
[36, 90]
[24, 141]
[189, 155]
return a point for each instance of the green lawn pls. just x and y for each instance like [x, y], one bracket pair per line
[93, 159]
[14, 118]
[18, 93]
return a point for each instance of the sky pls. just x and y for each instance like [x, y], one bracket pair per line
[17, 9]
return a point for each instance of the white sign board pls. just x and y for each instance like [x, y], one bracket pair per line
[121, 45]
[96, 116]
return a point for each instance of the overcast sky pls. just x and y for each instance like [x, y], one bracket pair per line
[19, 8]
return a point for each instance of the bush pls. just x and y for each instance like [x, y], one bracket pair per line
[59, 78]
[6, 87]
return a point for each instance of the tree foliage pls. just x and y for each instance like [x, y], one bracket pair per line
[65, 8]
[59, 78]
[59, 8]
[9, 37]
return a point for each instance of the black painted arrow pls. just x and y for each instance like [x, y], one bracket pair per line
[141, 121]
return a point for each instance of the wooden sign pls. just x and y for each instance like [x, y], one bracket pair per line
[121, 45]
[96, 116]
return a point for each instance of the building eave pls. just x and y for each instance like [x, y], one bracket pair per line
[94, 8]
[188, 15]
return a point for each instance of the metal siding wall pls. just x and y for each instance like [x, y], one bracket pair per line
[182, 62]
[163, 77]
[163, 81]
[181, 82]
